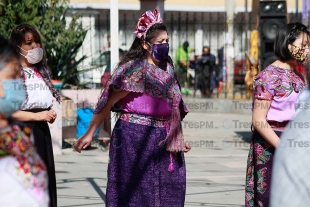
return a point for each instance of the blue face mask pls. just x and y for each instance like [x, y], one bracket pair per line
[14, 96]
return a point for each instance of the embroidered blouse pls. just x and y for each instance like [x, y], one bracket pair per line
[281, 87]
[39, 94]
[142, 103]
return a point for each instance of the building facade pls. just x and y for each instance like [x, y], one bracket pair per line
[201, 23]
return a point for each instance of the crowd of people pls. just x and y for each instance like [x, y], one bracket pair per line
[207, 75]
[149, 168]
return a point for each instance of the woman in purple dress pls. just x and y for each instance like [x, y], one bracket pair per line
[276, 89]
[147, 166]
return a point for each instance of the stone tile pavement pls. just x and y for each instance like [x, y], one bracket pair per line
[215, 166]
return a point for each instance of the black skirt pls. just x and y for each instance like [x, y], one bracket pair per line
[43, 143]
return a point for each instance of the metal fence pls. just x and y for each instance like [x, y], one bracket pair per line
[198, 28]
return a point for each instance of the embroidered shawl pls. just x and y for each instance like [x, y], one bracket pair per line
[142, 77]
[15, 141]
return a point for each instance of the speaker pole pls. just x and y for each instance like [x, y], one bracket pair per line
[229, 50]
[296, 15]
[255, 12]
[246, 26]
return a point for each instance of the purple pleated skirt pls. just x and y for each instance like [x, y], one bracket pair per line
[138, 173]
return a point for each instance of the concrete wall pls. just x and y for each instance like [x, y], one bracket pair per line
[81, 98]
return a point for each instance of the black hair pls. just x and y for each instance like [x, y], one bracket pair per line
[185, 44]
[8, 52]
[285, 36]
[18, 37]
[205, 47]
[136, 51]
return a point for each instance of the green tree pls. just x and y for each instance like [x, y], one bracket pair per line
[62, 40]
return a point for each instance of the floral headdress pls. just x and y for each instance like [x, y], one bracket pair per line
[145, 22]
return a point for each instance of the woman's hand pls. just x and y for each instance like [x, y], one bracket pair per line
[187, 147]
[83, 142]
[97, 119]
[48, 116]
[54, 116]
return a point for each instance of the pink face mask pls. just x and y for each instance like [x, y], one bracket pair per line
[33, 56]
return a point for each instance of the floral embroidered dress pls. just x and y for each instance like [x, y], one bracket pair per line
[142, 171]
[281, 87]
[22, 172]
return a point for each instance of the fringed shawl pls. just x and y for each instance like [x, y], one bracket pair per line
[142, 77]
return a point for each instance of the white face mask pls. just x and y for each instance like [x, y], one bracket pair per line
[34, 56]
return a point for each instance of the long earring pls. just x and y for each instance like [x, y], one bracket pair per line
[144, 45]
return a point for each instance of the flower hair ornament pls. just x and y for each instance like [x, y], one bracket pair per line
[145, 22]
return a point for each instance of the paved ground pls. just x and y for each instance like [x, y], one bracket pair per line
[215, 165]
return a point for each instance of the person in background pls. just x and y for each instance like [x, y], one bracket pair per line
[206, 73]
[36, 110]
[192, 59]
[147, 166]
[275, 91]
[220, 78]
[23, 174]
[182, 63]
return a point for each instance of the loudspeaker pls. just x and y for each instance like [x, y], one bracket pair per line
[272, 18]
